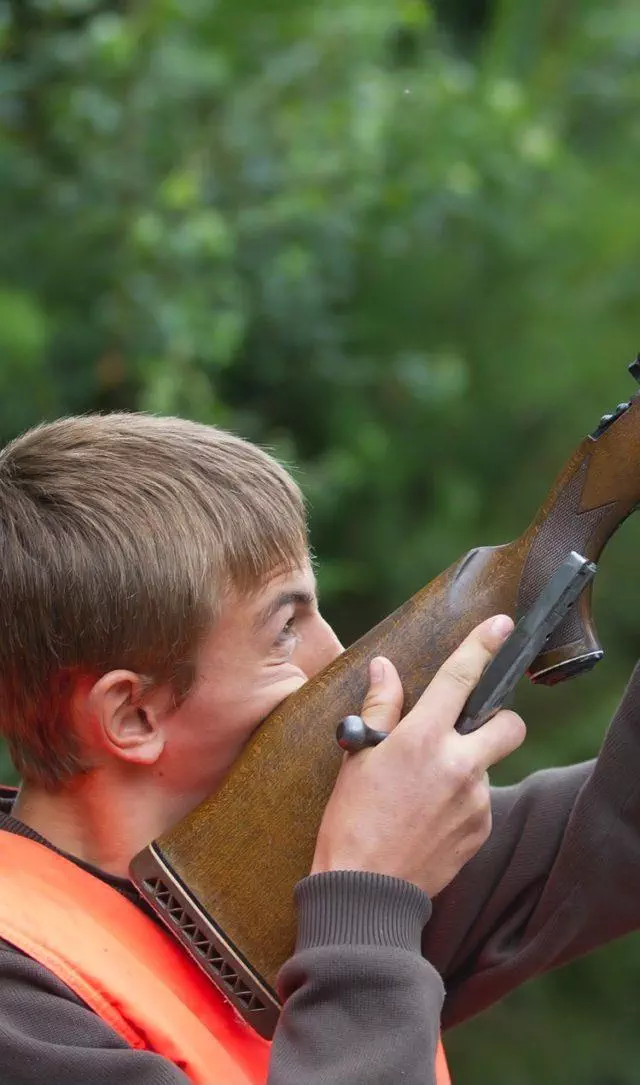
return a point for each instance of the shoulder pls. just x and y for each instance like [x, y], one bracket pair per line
[18, 970]
[48, 1033]
[37, 1003]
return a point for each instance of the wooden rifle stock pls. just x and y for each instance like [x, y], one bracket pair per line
[223, 878]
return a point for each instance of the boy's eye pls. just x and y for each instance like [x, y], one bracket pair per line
[287, 631]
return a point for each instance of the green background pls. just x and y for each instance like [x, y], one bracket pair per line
[395, 242]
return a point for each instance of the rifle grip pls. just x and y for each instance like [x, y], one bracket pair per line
[574, 646]
[595, 493]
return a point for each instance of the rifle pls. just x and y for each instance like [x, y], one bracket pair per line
[223, 879]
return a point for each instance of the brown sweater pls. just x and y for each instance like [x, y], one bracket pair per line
[559, 876]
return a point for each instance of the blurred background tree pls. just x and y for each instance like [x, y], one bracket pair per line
[397, 243]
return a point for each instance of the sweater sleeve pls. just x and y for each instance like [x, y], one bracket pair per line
[362, 1005]
[554, 881]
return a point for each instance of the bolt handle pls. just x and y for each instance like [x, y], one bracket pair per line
[353, 734]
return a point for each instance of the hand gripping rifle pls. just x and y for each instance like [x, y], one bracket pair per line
[223, 879]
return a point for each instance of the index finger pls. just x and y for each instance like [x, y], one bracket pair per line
[447, 693]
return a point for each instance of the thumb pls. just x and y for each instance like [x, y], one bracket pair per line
[383, 702]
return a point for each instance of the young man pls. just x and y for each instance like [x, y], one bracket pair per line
[158, 602]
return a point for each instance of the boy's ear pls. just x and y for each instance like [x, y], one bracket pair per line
[126, 721]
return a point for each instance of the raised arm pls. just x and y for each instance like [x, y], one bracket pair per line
[555, 879]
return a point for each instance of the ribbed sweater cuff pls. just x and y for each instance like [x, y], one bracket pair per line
[356, 908]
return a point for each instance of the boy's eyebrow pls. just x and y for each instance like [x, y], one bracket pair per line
[284, 599]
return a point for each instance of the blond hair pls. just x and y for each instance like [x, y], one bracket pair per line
[119, 535]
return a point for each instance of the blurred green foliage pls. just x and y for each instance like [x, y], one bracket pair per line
[398, 244]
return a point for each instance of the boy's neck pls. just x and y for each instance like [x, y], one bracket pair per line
[98, 822]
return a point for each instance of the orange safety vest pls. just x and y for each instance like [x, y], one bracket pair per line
[126, 968]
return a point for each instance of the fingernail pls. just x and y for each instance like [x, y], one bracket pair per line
[376, 669]
[502, 626]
